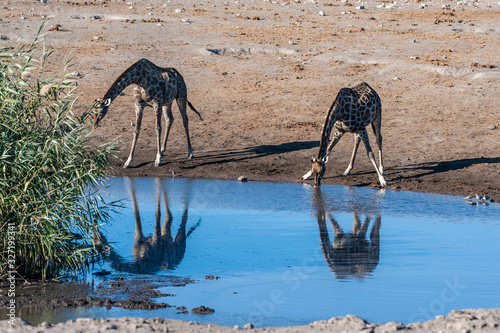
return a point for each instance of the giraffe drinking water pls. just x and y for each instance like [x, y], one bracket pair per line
[158, 87]
[352, 111]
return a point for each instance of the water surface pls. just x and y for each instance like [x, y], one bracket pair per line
[288, 254]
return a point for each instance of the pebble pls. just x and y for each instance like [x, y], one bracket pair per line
[248, 326]
[360, 7]
[242, 179]
[179, 10]
[321, 13]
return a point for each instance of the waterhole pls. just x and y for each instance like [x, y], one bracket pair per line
[279, 254]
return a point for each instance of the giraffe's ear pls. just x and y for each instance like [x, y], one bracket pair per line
[107, 102]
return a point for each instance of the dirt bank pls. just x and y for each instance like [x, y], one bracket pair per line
[480, 320]
[263, 74]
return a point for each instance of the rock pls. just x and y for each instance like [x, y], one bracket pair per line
[321, 13]
[242, 179]
[202, 310]
[248, 326]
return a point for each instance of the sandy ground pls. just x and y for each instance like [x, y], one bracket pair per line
[479, 320]
[263, 73]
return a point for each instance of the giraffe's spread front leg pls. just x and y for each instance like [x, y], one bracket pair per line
[139, 107]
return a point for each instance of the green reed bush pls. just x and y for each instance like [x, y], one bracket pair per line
[50, 177]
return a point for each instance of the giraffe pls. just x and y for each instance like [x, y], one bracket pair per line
[157, 88]
[352, 111]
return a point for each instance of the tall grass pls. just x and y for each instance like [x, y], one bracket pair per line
[49, 174]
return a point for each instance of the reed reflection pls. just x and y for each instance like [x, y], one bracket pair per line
[160, 250]
[350, 254]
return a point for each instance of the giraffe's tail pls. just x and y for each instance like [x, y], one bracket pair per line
[192, 108]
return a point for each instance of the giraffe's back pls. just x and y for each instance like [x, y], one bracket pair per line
[357, 106]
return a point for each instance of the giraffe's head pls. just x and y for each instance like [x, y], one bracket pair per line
[101, 108]
[318, 169]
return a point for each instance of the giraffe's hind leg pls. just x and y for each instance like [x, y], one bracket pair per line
[181, 103]
[376, 126]
[158, 108]
[357, 140]
[364, 136]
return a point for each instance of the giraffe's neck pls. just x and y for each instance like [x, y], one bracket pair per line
[331, 118]
[133, 75]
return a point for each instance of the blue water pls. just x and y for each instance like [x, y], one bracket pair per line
[288, 254]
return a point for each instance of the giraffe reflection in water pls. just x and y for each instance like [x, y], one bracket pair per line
[350, 254]
[160, 250]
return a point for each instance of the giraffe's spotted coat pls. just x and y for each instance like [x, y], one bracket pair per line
[157, 87]
[351, 112]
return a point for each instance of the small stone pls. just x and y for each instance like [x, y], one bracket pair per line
[492, 127]
[202, 310]
[248, 326]
[242, 179]
[360, 7]
[179, 10]
[321, 13]
[413, 40]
